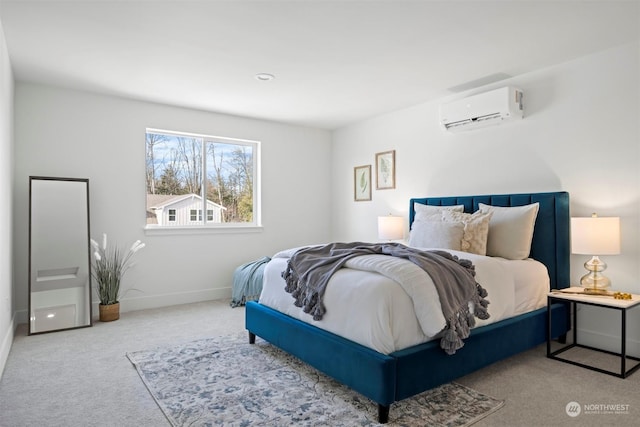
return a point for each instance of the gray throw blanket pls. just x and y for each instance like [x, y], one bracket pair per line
[309, 270]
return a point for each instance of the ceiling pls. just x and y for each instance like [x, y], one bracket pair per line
[335, 62]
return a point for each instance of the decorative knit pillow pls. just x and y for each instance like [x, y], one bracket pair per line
[476, 229]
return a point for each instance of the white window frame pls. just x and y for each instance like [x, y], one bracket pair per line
[205, 227]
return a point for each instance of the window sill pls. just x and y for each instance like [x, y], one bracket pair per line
[197, 229]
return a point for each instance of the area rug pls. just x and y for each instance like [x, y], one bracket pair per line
[226, 381]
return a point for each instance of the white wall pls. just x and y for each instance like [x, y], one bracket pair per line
[6, 180]
[580, 134]
[75, 134]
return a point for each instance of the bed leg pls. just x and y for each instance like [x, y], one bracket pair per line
[252, 338]
[562, 339]
[383, 414]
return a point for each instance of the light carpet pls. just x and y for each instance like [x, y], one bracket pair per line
[227, 381]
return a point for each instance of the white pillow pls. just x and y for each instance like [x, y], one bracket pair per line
[436, 234]
[476, 229]
[429, 212]
[511, 230]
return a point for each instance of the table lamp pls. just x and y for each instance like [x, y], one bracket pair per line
[595, 236]
[390, 227]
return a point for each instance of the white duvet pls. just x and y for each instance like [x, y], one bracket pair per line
[387, 303]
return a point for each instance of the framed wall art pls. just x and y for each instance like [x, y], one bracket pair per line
[362, 183]
[386, 170]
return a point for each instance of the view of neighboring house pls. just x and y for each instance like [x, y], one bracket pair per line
[183, 209]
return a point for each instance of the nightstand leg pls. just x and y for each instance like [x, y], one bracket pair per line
[574, 326]
[548, 326]
[623, 346]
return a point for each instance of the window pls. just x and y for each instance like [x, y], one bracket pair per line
[196, 215]
[188, 174]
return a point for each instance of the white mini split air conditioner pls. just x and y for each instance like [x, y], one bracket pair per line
[484, 109]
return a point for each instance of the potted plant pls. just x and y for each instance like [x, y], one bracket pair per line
[109, 266]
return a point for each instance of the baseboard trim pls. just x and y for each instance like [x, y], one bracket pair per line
[7, 341]
[607, 342]
[144, 302]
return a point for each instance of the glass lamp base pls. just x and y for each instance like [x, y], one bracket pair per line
[595, 282]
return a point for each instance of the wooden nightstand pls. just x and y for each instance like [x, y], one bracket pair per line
[608, 302]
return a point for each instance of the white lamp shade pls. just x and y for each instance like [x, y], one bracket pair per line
[595, 235]
[390, 227]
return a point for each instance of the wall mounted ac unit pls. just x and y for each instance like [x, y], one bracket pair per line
[484, 109]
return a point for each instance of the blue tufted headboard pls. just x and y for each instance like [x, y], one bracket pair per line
[550, 243]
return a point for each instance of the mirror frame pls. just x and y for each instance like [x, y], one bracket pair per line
[89, 301]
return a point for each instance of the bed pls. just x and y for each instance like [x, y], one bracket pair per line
[398, 373]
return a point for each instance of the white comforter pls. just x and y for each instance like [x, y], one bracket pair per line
[388, 303]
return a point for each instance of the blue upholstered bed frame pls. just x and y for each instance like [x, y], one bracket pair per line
[389, 378]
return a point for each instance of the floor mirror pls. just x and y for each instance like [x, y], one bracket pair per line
[59, 254]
